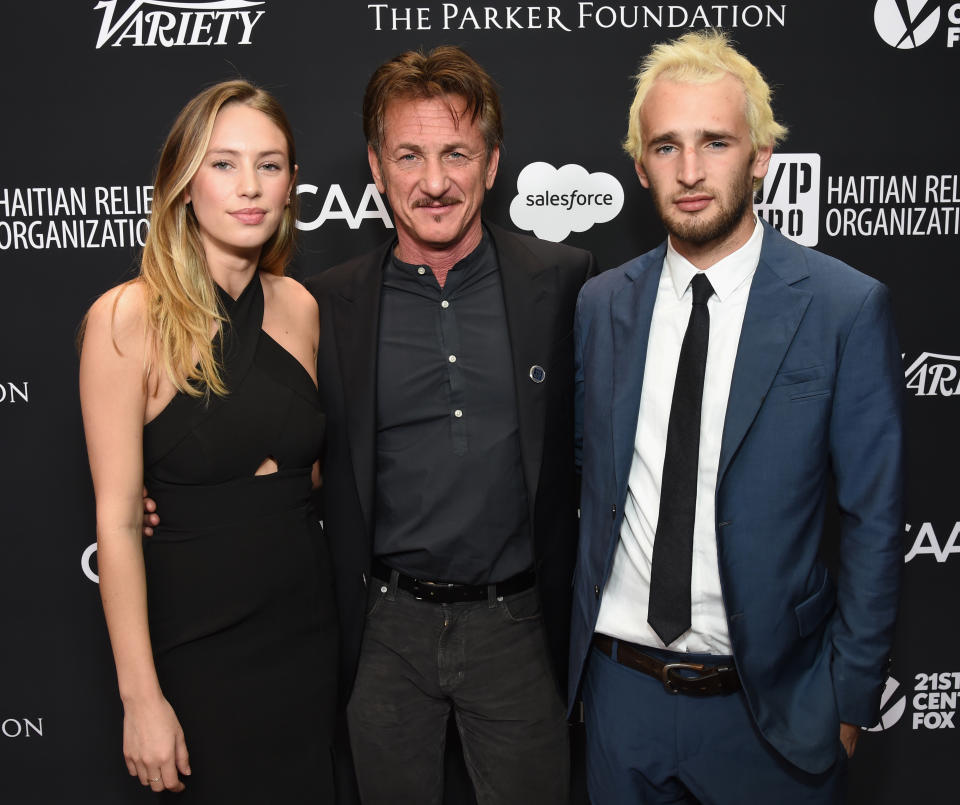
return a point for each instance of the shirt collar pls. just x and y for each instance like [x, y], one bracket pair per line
[725, 275]
[479, 254]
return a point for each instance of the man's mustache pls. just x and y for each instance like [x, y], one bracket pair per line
[436, 202]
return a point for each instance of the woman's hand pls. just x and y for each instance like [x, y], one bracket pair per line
[153, 744]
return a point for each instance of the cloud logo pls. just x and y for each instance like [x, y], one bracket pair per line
[553, 202]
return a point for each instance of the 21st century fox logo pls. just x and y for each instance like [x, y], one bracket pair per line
[908, 24]
[934, 700]
[162, 23]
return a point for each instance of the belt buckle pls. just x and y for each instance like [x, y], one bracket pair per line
[668, 681]
[430, 590]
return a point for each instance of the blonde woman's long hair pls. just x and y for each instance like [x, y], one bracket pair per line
[182, 304]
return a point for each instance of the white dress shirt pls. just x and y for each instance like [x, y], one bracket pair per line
[623, 610]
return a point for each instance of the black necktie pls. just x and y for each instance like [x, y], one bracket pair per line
[669, 606]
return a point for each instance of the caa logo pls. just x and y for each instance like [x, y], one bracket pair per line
[553, 202]
[216, 22]
[891, 711]
[926, 543]
[934, 375]
[790, 197]
[906, 24]
[336, 207]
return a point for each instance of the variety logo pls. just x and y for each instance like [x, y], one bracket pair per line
[152, 23]
[891, 709]
[553, 202]
[926, 543]
[790, 197]
[906, 24]
[22, 727]
[15, 392]
[336, 207]
[934, 375]
[86, 563]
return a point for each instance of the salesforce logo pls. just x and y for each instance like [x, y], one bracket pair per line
[553, 202]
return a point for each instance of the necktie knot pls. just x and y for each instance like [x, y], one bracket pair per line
[702, 289]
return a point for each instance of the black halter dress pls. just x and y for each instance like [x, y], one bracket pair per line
[240, 598]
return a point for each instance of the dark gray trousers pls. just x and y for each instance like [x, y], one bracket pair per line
[487, 661]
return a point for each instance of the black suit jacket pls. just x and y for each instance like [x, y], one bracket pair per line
[540, 282]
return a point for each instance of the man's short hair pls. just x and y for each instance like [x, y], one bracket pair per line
[702, 57]
[445, 70]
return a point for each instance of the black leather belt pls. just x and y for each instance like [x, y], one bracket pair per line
[690, 678]
[448, 593]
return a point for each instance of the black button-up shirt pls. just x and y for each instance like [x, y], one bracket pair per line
[451, 499]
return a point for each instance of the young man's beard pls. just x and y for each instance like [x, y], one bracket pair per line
[730, 211]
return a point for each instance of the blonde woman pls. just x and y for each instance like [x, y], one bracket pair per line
[199, 378]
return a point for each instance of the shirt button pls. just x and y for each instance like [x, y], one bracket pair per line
[452, 359]
[421, 271]
[596, 590]
[444, 304]
[458, 413]
[613, 511]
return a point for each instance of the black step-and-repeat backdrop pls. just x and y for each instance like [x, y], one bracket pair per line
[869, 174]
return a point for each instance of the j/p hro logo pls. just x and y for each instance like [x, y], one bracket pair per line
[553, 202]
[790, 197]
[153, 23]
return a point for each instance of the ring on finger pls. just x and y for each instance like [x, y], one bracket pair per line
[154, 779]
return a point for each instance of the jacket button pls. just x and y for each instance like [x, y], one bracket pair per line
[613, 511]
[596, 590]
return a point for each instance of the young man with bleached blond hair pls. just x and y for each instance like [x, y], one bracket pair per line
[724, 381]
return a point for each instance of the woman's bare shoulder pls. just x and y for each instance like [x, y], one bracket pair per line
[295, 300]
[119, 314]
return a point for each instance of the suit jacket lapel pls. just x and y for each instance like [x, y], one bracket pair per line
[529, 292]
[356, 318]
[631, 311]
[774, 312]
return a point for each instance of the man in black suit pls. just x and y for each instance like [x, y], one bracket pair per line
[446, 372]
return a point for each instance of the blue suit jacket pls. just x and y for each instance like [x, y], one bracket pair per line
[816, 389]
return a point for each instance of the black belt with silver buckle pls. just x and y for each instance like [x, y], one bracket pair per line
[689, 678]
[442, 592]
